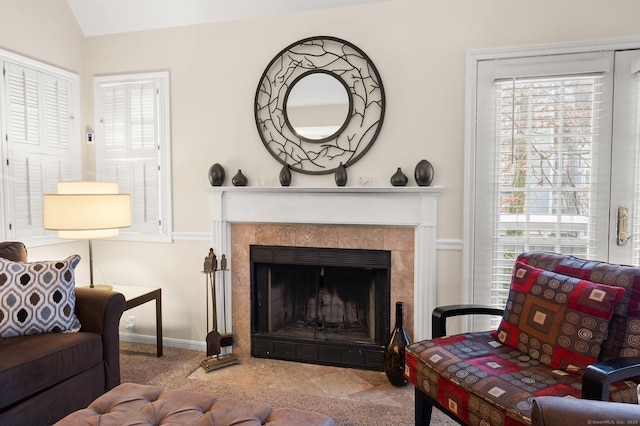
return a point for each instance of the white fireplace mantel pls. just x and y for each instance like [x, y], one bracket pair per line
[390, 206]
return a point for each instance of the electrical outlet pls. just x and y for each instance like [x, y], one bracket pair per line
[131, 323]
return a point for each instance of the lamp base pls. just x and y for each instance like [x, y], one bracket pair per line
[101, 286]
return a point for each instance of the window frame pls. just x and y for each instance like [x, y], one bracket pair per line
[165, 227]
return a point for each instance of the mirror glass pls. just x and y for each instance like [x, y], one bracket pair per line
[317, 106]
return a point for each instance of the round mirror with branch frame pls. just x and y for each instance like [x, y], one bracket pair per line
[353, 137]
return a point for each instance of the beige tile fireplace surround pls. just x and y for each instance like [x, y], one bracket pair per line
[401, 220]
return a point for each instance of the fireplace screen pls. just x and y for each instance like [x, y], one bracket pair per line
[327, 306]
[327, 303]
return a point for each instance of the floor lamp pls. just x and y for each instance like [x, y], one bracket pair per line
[86, 211]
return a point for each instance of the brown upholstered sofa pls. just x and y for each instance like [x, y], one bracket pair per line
[44, 377]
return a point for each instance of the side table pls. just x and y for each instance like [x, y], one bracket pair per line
[136, 296]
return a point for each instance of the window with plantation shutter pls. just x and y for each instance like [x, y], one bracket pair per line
[133, 148]
[41, 140]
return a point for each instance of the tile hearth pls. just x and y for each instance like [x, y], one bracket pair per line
[317, 380]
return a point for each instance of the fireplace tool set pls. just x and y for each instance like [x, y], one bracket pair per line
[215, 340]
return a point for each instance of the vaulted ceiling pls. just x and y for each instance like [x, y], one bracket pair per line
[101, 17]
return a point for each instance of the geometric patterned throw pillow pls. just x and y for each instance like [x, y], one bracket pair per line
[624, 329]
[559, 320]
[37, 297]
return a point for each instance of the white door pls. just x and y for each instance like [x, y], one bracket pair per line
[624, 236]
[555, 156]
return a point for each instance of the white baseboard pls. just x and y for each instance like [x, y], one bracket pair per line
[166, 341]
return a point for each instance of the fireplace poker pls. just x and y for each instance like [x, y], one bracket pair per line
[223, 268]
[213, 337]
[206, 270]
[226, 338]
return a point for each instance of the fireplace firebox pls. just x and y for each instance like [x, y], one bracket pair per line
[325, 306]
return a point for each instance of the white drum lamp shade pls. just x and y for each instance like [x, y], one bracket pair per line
[87, 210]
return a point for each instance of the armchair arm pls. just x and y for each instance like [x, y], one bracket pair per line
[99, 311]
[556, 410]
[440, 315]
[598, 376]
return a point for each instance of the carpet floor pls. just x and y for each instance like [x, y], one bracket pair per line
[180, 369]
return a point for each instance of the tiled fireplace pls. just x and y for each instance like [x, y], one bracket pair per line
[399, 220]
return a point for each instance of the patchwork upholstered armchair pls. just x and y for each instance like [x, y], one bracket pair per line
[571, 328]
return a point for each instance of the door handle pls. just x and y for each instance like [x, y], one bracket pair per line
[621, 232]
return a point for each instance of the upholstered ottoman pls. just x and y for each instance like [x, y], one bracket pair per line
[130, 403]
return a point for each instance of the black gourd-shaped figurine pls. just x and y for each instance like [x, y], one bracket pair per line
[424, 173]
[239, 179]
[341, 175]
[399, 178]
[216, 175]
[285, 176]
[394, 354]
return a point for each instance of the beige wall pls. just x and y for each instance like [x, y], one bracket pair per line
[419, 48]
[45, 30]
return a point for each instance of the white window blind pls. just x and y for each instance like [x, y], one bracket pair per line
[547, 137]
[541, 162]
[133, 148]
